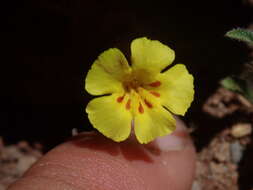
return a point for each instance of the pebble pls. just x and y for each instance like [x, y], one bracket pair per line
[24, 163]
[2, 187]
[74, 132]
[241, 129]
[236, 151]
[196, 186]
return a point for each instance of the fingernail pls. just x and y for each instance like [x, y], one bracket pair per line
[170, 143]
[176, 141]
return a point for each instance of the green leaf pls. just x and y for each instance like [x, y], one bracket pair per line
[231, 84]
[241, 35]
[238, 85]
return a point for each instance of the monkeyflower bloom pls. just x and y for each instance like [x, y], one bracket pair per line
[138, 96]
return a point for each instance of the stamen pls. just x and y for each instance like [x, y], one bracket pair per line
[148, 103]
[141, 109]
[128, 104]
[155, 93]
[120, 99]
[155, 84]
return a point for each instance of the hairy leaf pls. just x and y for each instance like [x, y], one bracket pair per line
[241, 35]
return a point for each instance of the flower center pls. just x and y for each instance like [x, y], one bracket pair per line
[136, 95]
[131, 84]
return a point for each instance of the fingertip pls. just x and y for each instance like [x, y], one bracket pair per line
[95, 162]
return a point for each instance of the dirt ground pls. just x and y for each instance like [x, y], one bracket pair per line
[15, 160]
[224, 162]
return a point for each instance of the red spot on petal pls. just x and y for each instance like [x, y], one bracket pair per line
[120, 99]
[155, 94]
[148, 103]
[155, 84]
[128, 104]
[141, 109]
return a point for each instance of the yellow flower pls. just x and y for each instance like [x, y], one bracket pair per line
[138, 96]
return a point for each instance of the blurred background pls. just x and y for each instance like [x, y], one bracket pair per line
[48, 47]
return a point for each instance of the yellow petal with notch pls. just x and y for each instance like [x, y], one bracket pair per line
[150, 55]
[176, 89]
[111, 116]
[107, 72]
[152, 123]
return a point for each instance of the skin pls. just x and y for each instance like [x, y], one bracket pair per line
[90, 161]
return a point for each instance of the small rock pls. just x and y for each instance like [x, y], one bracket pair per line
[221, 152]
[2, 187]
[24, 163]
[74, 132]
[241, 129]
[218, 168]
[236, 151]
[202, 168]
[14, 161]
[196, 186]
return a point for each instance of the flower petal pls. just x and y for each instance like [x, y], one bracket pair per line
[152, 123]
[150, 55]
[176, 89]
[109, 115]
[107, 72]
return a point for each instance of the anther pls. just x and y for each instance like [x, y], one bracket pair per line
[155, 93]
[128, 104]
[148, 103]
[155, 84]
[120, 99]
[141, 109]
